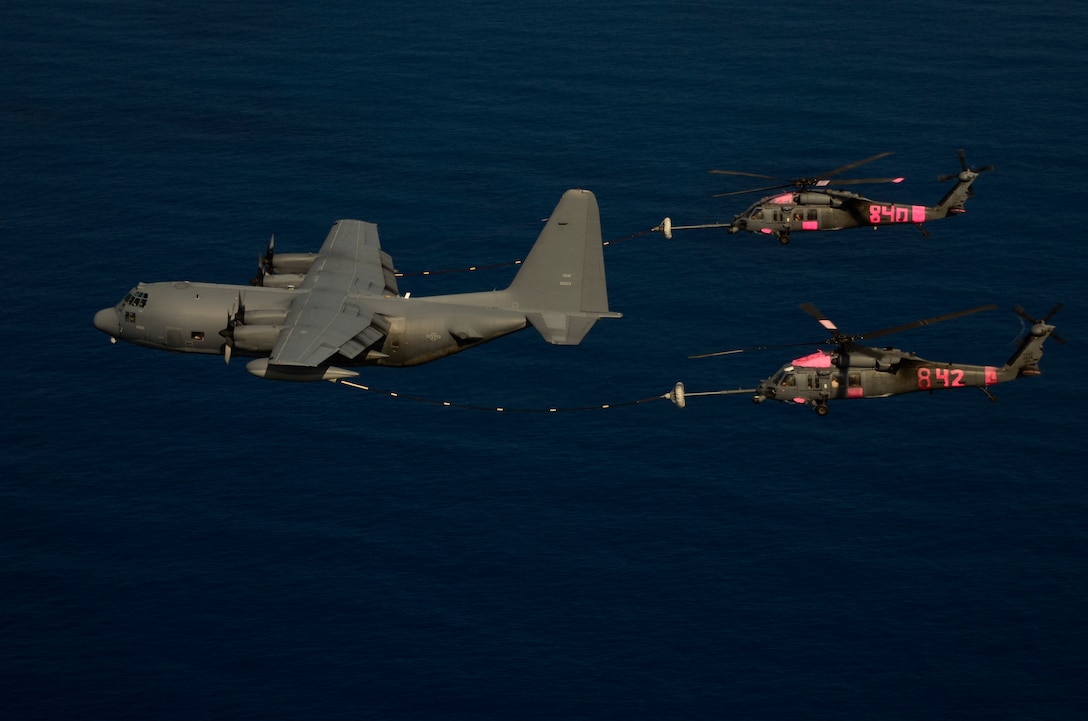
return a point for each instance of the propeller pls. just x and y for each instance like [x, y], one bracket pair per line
[1044, 320]
[264, 262]
[802, 183]
[963, 164]
[235, 317]
[842, 340]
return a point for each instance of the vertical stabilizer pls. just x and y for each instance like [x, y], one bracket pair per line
[561, 285]
[954, 200]
[1025, 361]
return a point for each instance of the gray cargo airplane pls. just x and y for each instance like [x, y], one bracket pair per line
[310, 314]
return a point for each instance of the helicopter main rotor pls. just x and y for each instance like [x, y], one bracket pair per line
[818, 181]
[843, 341]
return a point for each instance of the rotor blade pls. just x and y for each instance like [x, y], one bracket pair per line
[748, 175]
[855, 164]
[752, 190]
[923, 322]
[868, 181]
[1053, 310]
[821, 318]
[1019, 310]
[751, 349]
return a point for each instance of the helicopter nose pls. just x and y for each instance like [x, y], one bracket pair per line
[105, 320]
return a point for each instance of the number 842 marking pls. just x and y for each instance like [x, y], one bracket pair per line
[940, 378]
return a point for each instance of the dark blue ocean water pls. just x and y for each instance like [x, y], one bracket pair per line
[181, 540]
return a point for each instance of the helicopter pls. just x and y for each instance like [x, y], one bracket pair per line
[851, 370]
[810, 204]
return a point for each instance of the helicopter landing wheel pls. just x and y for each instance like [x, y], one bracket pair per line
[821, 409]
[784, 238]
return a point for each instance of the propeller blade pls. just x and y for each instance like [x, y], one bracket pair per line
[270, 253]
[1045, 319]
[1053, 310]
[258, 280]
[923, 322]
[963, 164]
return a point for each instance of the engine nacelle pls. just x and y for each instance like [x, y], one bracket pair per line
[256, 338]
[813, 199]
[283, 280]
[264, 317]
[293, 262]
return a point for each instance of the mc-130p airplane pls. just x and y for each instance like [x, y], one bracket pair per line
[309, 315]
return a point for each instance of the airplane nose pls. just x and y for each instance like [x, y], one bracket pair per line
[105, 320]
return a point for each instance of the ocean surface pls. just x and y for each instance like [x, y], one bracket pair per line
[181, 540]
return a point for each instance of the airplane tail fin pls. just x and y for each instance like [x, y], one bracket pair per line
[561, 284]
[1025, 361]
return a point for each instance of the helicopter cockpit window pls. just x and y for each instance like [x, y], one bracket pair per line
[757, 214]
[788, 381]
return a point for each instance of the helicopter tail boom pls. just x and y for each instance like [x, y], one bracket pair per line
[953, 201]
[1025, 361]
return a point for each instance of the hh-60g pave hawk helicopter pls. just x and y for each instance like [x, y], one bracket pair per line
[813, 205]
[850, 370]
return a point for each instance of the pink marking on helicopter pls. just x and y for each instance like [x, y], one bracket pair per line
[784, 199]
[810, 225]
[855, 392]
[917, 213]
[991, 375]
[819, 359]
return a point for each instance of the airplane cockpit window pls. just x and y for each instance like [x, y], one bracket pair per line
[137, 299]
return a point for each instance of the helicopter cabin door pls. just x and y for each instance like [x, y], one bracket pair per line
[815, 381]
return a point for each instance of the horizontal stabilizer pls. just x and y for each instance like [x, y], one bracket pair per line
[566, 328]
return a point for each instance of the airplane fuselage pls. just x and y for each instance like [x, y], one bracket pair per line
[187, 317]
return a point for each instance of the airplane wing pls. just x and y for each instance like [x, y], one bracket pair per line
[329, 314]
